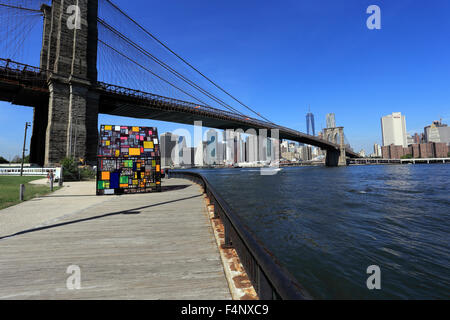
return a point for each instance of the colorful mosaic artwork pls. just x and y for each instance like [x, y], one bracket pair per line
[129, 160]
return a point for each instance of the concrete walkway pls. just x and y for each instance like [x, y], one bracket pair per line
[143, 246]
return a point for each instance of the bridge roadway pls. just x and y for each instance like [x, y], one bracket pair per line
[26, 85]
[143, 246]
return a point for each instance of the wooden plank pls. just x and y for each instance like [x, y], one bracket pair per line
[146, 246]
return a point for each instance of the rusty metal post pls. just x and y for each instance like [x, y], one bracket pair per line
[22, 192]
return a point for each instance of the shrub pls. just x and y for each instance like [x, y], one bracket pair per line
[70, 169]
[87, 173]
[72, 172]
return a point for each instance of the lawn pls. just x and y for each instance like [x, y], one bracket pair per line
[9, 189]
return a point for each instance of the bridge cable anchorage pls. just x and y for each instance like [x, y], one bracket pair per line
[183, 60]
[167, 67]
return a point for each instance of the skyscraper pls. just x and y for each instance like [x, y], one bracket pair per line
[310, 124]
[331, 121]
[212, 147]
[167, 144]
[437, 132]
[393, 129]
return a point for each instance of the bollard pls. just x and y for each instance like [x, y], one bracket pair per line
[51, 184]
[61, 177]
[22, 192]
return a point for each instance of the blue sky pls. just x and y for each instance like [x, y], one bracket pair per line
[280, 57]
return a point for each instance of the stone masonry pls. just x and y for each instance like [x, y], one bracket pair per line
[69, 55]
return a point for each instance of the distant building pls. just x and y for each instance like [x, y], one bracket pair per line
[393, 129]
[212, 147]
[220, 152]
[305, 153]
[409, 140]
[377, 150]
[417, 138]
[421, 150]
[284, 146]
[252, 148]
[178, 151]
[331, 121]
[167, 142]
[200, 150]
[437, 132]
[228, 138]
[189, 156]
[310, 129]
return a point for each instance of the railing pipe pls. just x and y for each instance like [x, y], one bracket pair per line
[269, 278]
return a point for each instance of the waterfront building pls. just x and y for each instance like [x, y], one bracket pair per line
[284, 146]
[228, 147]
[377, 150]
[274, 145]
[305, 153]
[409, 140]
[211, 154]
[421, 150]
[252, 148]
[220, 152]
[167, 143]
[188, 156]
[417, 138]
[437, 132]
[178, 155]
[200, 151]
[393, 129]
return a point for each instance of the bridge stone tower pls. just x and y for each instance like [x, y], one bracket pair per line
[335, 157]
[68, 125]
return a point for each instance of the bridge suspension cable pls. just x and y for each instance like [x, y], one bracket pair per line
[19, 7]
[146, 32]
[19, 24]
[165, 66]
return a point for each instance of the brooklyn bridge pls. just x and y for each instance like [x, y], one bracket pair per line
[96, 59]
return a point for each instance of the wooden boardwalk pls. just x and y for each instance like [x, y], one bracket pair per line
[147, 246]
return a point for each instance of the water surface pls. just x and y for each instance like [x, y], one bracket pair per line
[327, 225]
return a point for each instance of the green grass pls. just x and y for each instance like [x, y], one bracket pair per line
[9, 190]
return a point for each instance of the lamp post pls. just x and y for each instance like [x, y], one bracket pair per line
[27, 125]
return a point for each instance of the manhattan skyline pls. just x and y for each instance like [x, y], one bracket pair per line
[314, 53]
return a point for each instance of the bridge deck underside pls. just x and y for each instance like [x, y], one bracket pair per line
[136, 108]
[21, 93]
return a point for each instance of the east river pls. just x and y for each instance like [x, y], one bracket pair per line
[328, 225]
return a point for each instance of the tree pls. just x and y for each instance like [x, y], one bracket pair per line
[70, 172]
[3, 160]
[407, 156]
[16, 159]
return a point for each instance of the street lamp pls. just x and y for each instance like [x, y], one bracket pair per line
[27, 125]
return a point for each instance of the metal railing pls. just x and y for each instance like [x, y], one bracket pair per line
[179, 103]
[269, 278]
[30, 172]
[193, 107]
[21, 71]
